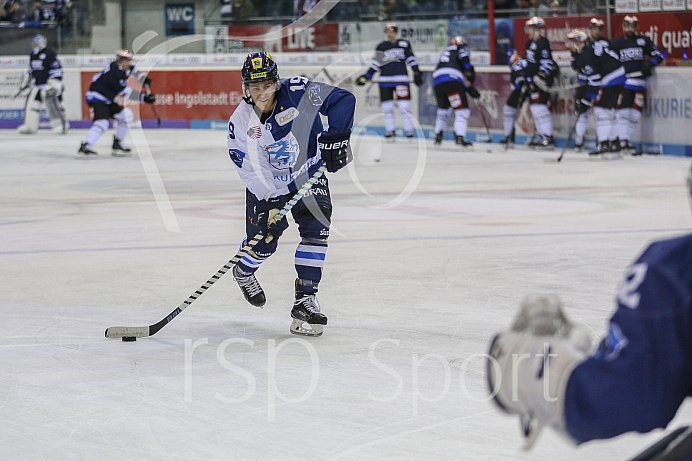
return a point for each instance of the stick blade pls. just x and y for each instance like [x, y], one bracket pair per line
[119, 332]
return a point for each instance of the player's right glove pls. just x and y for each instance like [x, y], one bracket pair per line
[267, 210]
[362, 80]
[148, 98]
[473, 92]
[418, 77]
[647, 68]
[335, 149]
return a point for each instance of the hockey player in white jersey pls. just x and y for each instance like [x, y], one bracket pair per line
[277, 141]
[45, 73]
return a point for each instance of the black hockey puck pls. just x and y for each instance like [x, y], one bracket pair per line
[129, 338]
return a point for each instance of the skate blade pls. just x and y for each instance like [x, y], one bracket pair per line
[118, 153]
[301, 327]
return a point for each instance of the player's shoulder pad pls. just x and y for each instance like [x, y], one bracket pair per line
[403, 43]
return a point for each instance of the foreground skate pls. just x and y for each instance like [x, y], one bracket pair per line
[119, 149]
[307, 318]
[604, 151]
[460, 141]
[508, 141]
[86, 152]
[253, 292]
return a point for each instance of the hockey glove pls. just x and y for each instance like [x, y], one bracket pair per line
[267, 210]
[148, 98]
[473, 92]
[582, 105]
[362, 80]
[147, 81]
[417, 77]
[647, 68]
[335, 149]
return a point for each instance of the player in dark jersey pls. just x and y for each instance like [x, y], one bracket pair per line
[391, 58]
[45, 80]
[639, 55]
[106, 98]
[277, 141]
[601, 68]
[453, 79]
[541, 369]
[540, 71]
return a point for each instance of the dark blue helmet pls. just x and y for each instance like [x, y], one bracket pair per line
[259, 67]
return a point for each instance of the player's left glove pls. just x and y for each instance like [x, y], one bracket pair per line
[473, 92]
[148, 98]
[417, 77]
[362, 80]
[335, 149]
[147, 81]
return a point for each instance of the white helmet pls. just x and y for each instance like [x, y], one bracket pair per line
[576, 39]
[535, 22]
[123, 55]
[459, 40]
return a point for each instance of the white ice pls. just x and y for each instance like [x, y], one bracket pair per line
[430, 254]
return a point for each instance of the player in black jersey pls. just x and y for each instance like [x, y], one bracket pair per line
[639, 55]
[391, 58]
[106, 97]
[45, 73]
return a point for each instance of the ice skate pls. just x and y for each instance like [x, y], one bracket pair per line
[578, 146]
[86, 152]
[508, 141]
[390, 136]
[409, 136]
[253, 292]
[545, 143]
[534, 141]
[307, 318]
[604, 152]
[627, 148]
[460, 141]
[438, 138]
[119, 149]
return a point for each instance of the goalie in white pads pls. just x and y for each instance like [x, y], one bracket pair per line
[277, 141]
[45, 72]
[541, 368]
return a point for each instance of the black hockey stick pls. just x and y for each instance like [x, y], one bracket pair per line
[675, 446]
[522, 98]
[153, 107]
[141, 332]
[569, 138]
[485, 122]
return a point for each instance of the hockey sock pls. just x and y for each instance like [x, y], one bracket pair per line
[544, 122]
[388, 110]
[125, 117]
[580, 127]
[633, 121]
[508, 114]
[405, 108]
[309, 260]
[249, 263]
[605, 119]
[461, 121]
[97, 129]
[441, 119]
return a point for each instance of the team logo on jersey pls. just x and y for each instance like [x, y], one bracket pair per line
[283, 153]
[286, 116]
[237, 156]
[255, 132]
[314, 95]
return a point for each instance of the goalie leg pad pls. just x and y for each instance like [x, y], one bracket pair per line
[32, 113]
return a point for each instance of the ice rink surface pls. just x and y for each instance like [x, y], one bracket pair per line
[431, 253]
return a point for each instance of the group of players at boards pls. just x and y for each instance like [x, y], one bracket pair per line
[611, 75]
